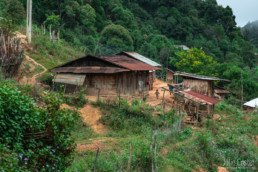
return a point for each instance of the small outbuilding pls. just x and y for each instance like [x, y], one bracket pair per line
[105, 75]
[251, 105]
[197, 95]
[199, 83]
[220, 93]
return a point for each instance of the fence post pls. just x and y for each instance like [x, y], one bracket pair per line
[155, 153]
[95, 162]
[180, 118]
[130, 158]
[151, 147]
[98, 93]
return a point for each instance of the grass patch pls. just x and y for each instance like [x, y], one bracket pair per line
[51, 54]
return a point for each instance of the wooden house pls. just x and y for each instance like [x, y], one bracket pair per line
[197, 95]
[139, 57]
[105, 75]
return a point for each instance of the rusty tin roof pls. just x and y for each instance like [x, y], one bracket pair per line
[129, 63]
[122, 62]
[200, 97]
[94, 69]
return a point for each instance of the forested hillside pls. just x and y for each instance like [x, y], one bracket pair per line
[152, 28]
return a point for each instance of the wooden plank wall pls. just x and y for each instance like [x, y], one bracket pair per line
[169, 76]
[127, 83]
[200, 86]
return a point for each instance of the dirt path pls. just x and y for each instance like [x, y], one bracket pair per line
[33, 79]
[91, 116]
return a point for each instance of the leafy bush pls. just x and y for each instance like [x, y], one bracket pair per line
[38, 132]
[77, 98]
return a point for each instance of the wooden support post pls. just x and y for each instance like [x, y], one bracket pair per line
[119, 98]
[130, 158]
[98, 93]
[197, 112]
[95, 162]
[155, 153]
[151, 148]
[8, 47]
[64, 88]
[163, 101]
[180, 120]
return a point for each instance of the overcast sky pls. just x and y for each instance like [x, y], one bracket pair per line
[244, 10]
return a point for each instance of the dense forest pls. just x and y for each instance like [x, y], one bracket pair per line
[152, 28]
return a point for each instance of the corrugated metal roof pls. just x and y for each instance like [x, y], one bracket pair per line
[253, 103]
[200, 97]
[201, 77]
[94, 69]
[121, 61]
[128, 63]
[70, 79]
[141, 58]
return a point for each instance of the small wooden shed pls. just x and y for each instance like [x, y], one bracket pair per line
[197, 94]
[252, 105]
[105, 74]
[220, 93]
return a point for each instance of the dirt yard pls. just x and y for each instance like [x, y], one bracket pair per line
[154, 102]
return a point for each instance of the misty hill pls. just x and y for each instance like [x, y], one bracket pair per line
[250, 32]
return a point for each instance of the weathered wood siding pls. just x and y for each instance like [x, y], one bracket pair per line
[169, 77]
[200, 86]
[126, 83]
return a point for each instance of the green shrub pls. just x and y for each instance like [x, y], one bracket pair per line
[40, 135]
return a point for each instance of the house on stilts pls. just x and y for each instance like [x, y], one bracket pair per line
[196, 96]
